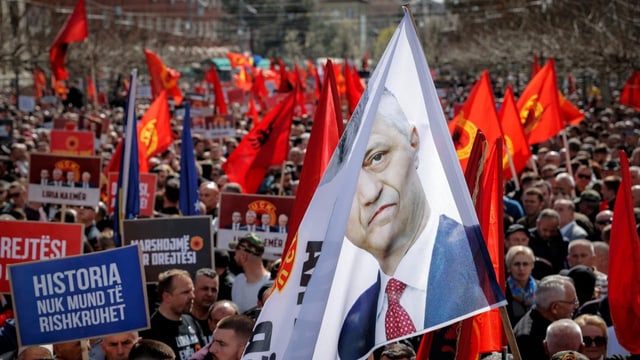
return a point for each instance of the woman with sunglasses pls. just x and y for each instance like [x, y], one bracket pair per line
[594, 336]
[520, 284]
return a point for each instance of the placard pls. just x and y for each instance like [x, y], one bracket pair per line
[233, 226]
[65, 142]
[26, 103]
[58, 179]
[23, 242]
[79, 297]
[171, 242]
[147, 188]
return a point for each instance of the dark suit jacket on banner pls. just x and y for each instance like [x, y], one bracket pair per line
[458, 284]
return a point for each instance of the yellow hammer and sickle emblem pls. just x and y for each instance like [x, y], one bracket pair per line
[470, 129]
[149, 136]
[528, 119]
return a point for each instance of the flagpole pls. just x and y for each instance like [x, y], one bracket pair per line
[126, 157]
[567, 158]
[508, 330]
[284, 166]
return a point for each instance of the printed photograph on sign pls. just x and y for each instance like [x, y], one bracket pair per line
[64, 179]
[147, 185]
[79, 297]
[267, 216]
[213, 127]
[166, 243]
[38, 241]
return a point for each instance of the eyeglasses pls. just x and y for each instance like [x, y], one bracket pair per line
[603, 222]
[584, 176]
[12, 195]
[575, 302]
[594, 341]
[522, 264]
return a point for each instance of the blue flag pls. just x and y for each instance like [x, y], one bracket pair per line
[127, 204]
[188, 176]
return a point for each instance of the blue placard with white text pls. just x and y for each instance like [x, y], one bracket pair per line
[79, 297]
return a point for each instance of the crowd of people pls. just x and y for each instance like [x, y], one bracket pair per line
[557, 220]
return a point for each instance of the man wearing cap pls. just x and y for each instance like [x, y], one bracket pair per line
[516, 234]
[248, 255]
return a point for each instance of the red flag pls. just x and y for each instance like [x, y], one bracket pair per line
[354, 88]
[211, 76]
[630, 95]
[478, 113]
[326, 132]
[539, 106]
[237, 59]
[154, 135]
[284, 85]
[570, 114]
[514, 136]
[485, 330]
[243, 80]
[162, 77]
[624, 272]
[252, 111]
[39, 82]
[259, 88]
[265, 145]
[154, 129]
[300, 98]
[535, 67]
[73, 30]
[92, 94]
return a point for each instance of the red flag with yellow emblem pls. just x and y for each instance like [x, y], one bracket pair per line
[154, 129]
[162, 77]
[478, 113]
[539, 106]
[514, 136]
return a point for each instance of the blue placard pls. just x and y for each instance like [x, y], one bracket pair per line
[79, 297]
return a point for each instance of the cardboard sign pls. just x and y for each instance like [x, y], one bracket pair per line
[64, 142]
[71, 180]
[79, 297]
[214, 127]
[26, 103]
[167, 243]
[23, 242]
[147, 183]
[277, 210]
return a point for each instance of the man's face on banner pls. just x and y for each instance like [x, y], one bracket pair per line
[388, 206]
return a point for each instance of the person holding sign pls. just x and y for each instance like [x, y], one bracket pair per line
[171, 323]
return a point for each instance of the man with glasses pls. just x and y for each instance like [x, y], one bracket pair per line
[248, 256]
[555, 299]
[603, 218]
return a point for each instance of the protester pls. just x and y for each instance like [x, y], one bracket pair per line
[118, 346]
[206, 283]
[563, 335]
[248, 255]
[521, 286]
[147, 349]
[230, 337]
[594, 334]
